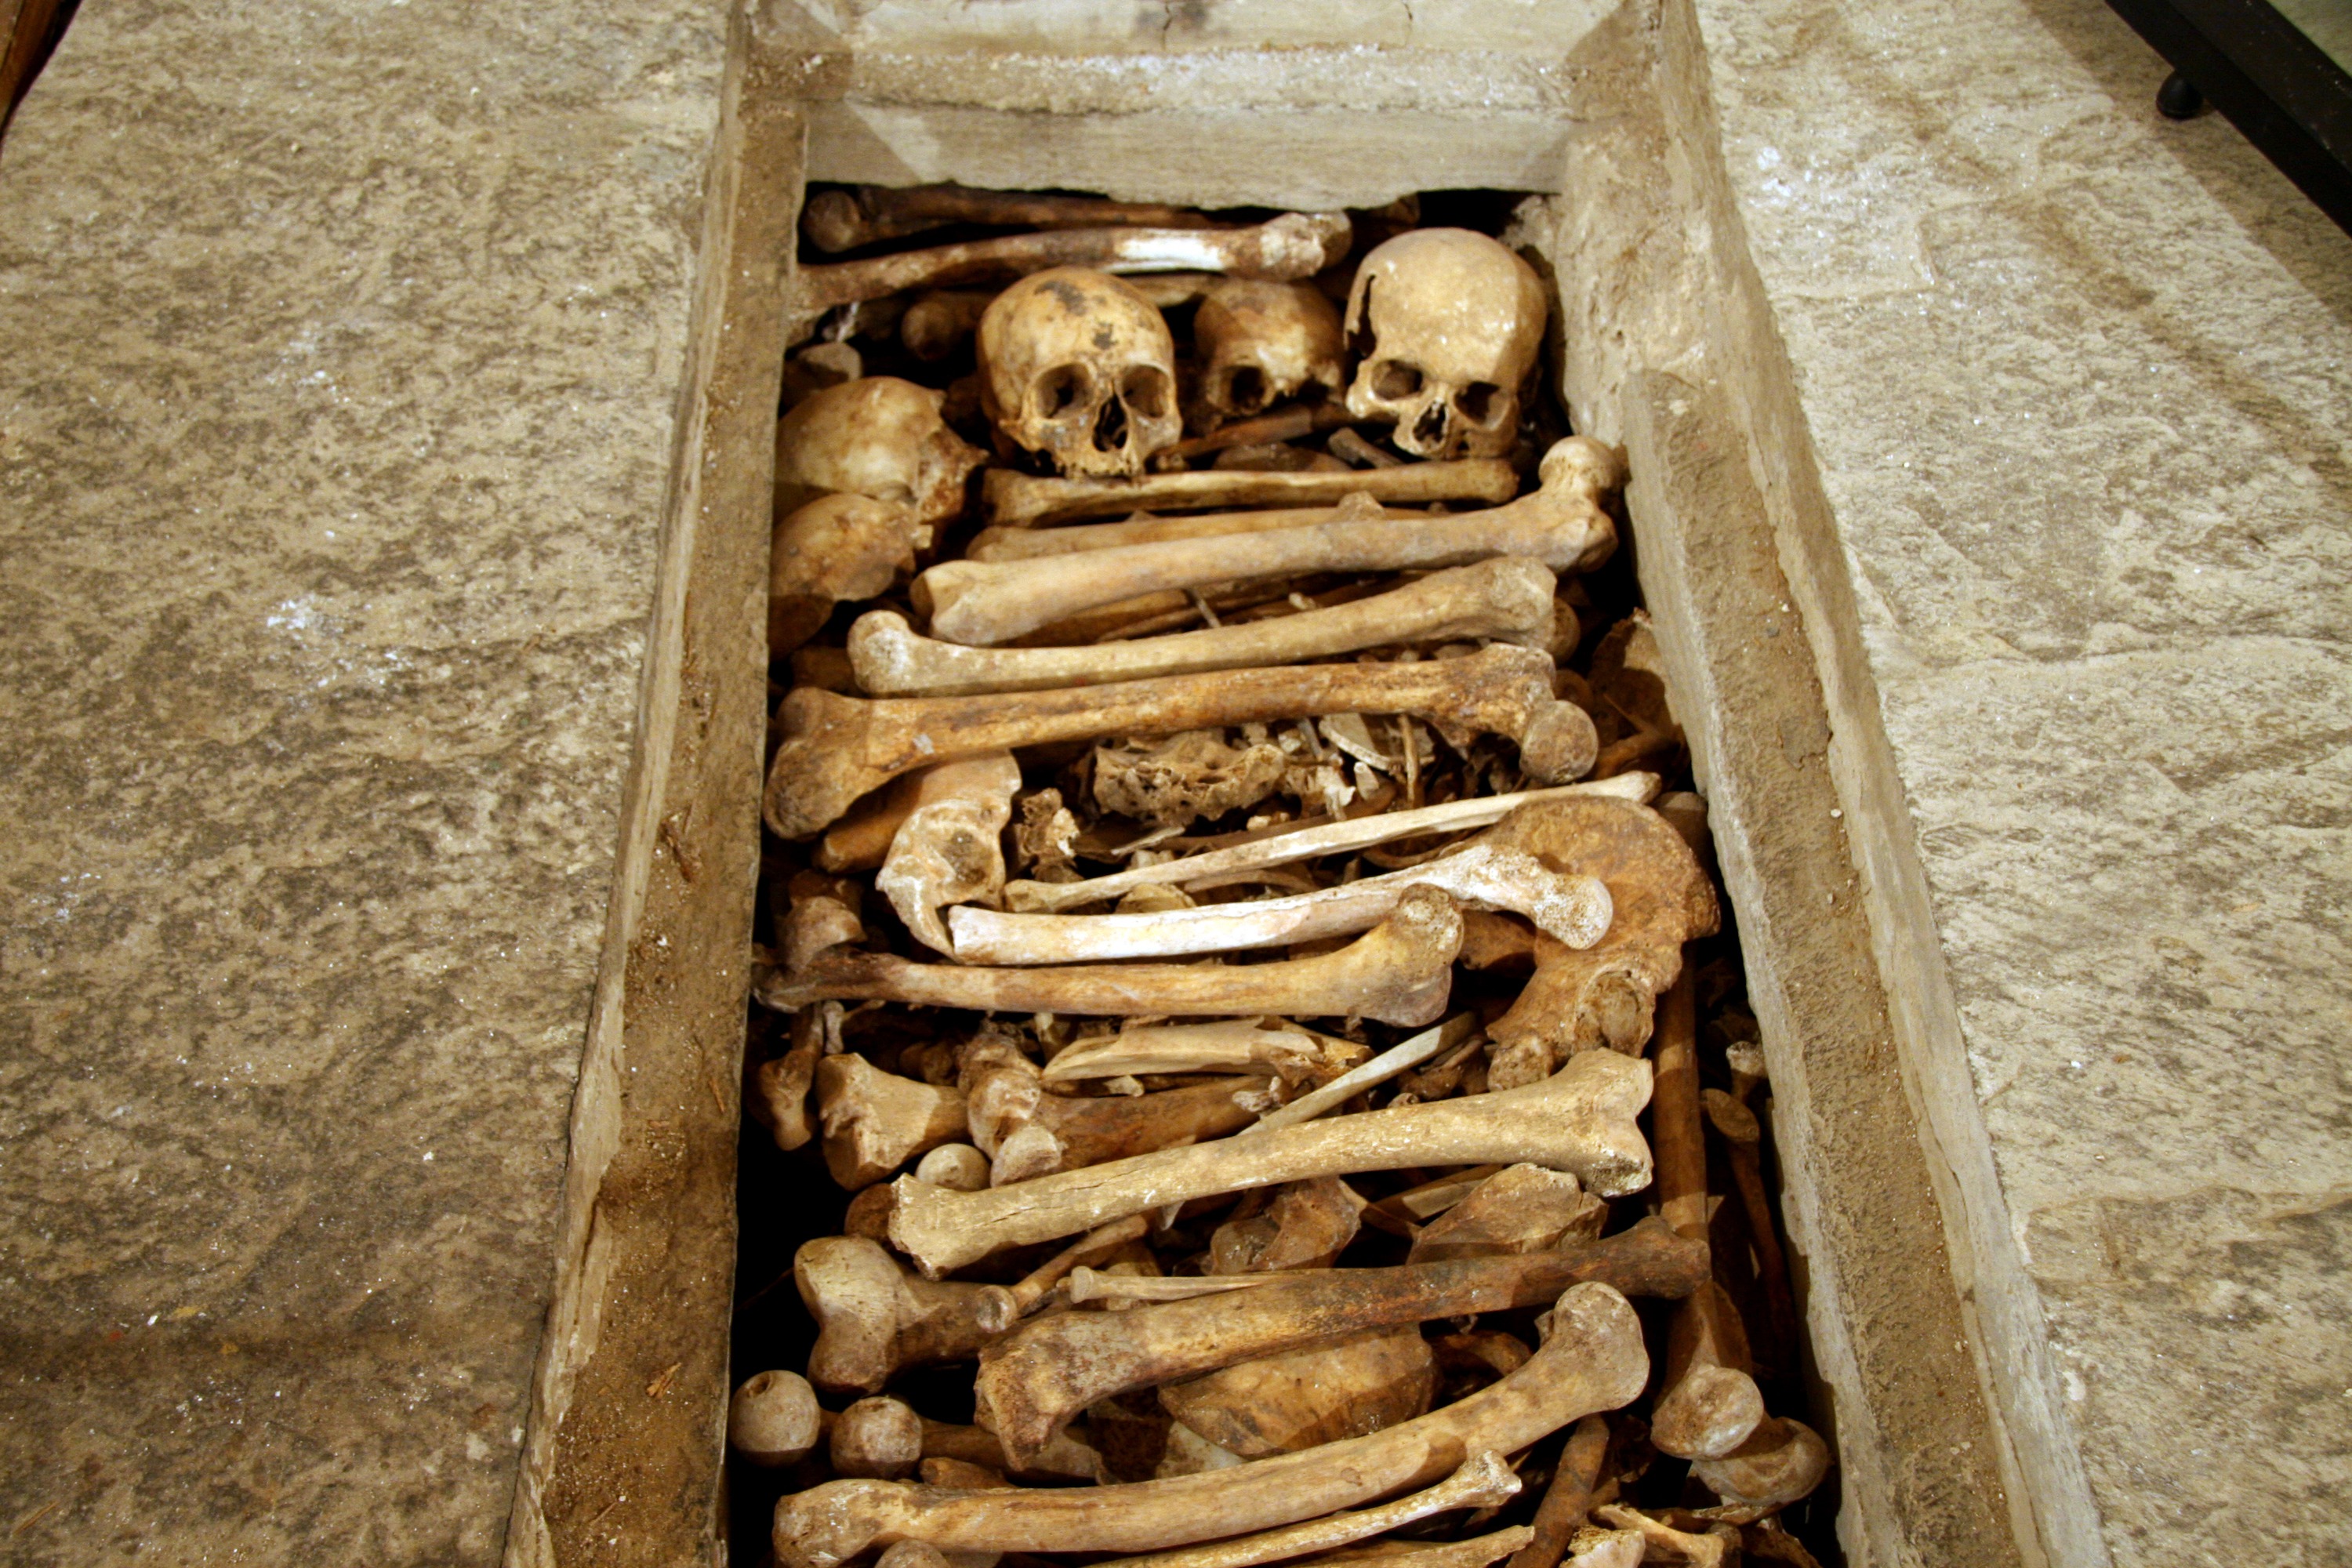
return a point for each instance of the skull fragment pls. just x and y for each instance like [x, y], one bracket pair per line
[1262, 343]
[878, 437]
[1451, 322]
[1078, 367]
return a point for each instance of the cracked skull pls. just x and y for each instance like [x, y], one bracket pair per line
[1449, 321]
[1077, 366]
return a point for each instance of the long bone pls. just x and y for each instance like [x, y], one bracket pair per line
[1483, 1480]
[1475, 1552]
[873, 1317]
[1508, 599]
[1022, 543]
[1399, 972]
[1032, 1381]
[1311, 843]
[1594, 1361]
[835, 221]
[1294, 245]
[1578, 1120]
[1573, 909]
[1396, 1060]
[1011, 500]
[1238, 1046]
[837, 748]
[1561, 525]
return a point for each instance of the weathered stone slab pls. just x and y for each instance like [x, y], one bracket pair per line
[338, 353]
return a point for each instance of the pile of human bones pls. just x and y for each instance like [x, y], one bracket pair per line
[1231, 919]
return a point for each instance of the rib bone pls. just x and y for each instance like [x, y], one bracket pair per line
[1310, 843]
[1011, 500]
[1035, 1379]
[837, 748]
[1594, 1361]
[1573, 910]
[1483, 1480]
[1561, 525]
[1580, 1121]
[1294, 245]
[1508, 599]
[1398, 972]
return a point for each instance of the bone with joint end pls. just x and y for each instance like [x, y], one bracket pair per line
[878, 1437]
[1399, 972]
[773, 1420]
[957, 1165]
[875, 1122]
[1668, 1544]
[1578, 1120]
[836, 749]
[1036, 1378]
[1508, 599]
[1294, 245]
[873, 1318]
[1398, 1058]
[1565, 1503]
[835, 221]
[984, 602]
[1483, 1480]
[1065, 1458]
[1781, 1461]
[1475, 1553]
[1594, 1361]
[1011, 500]
[1034, 1287]
[1311, 843]
[1572, 910]
[1237, 1045]
[950, 849]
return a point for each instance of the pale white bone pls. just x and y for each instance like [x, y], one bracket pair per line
[1311, 843]
[1456, 321]
[1580, 1120]
[1605, 1549]
[1400, 1058]
[1077, 367]
[1508, 599]
[1294, 245]
[951, 848]
[1399, 972]
[1011, 500]
[773, 1419]
[1483, 1480]
[1573, 910]
[1237, 1045]
[1663, 1543]
[1594, 1361]
[1562, 525]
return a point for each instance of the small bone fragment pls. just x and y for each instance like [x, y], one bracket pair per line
[1292, 424]
[1768, 1540]
[1397, 1058]
[1176, 781]
[1524, 1209]
[860, 841]
[950, 849]
[1607, 1549]
[1475, 1553]
[939, 321]
[1185, 1452]
[1565, 1503]
[835, 221]
[1266, 1044]
[1483, 1480]
[838, 748]
[1065, 1458]
[1663, 1543]
[1573, 909]
[875, 1122]
[1594, 1361]
[772, 1420]
[873, 1318]
[1307, 1225]
[1578, 1120]
[822, 914]
[1561, 525]
[1709, 1403]
[1096, 1131]
[1742, 1137]
[1037, 1377]
[878, 1437]
[958, 1475]
[1038, 1283]
[1508, 599]
[1397, 973]
[1311, 843]
[1660, 898]
[1342, 1388]
[1433, 1198]
[1483, 1349]
[1010, 500]
[1358, 453]
[880, 437]
[782, 1085]
[837, 547]
[1294, 245]
[956, 1166]
[1781, 1461]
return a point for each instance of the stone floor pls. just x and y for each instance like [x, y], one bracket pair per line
[339, 350]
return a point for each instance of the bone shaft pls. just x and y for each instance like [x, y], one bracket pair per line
[910, 209]
[1308, 843]
[1109, 249]
[1315, 1535]
[1022, 543]
[1675, 1119]
[1398, 1058]
[1569, 1496]
[1011, 498]
[1116, 1127]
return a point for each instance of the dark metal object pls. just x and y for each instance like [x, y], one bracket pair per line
[2277, 86]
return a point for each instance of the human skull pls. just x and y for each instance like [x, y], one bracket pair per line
[1455, 321]
[1078, 366]
[878, 437]
[1262, 343]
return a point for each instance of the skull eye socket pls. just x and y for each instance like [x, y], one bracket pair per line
[1062, 389]
[1144, 390]
[1477, 401]
[1245, 389]
[1392, 379]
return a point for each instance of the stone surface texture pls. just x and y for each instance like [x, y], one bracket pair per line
[2079, 385]
[339, 347]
